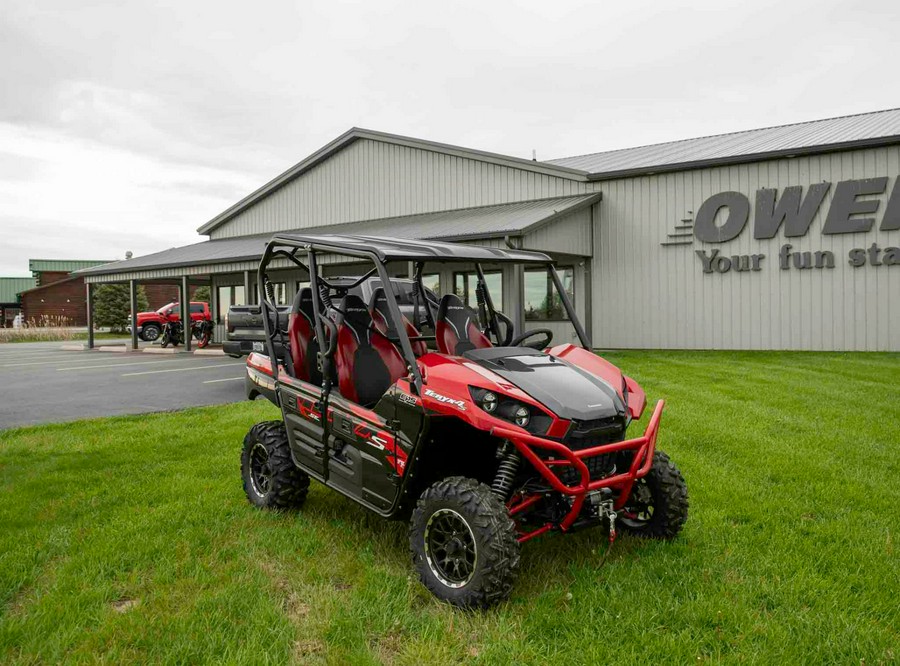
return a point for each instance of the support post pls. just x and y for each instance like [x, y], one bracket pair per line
[186, 312]
[132, 290]
[214, 302]
[248, 298]
[89, 305]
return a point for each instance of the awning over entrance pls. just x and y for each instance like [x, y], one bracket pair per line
[243, 253]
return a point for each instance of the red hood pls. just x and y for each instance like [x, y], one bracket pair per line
[584, 387]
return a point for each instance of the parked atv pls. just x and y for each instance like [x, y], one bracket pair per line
[494, 439]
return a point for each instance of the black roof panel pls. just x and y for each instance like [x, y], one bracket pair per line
[400, 249]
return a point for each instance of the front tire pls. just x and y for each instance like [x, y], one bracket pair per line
[463, 543]
[150, 332]
[658, 505]
[271, 479]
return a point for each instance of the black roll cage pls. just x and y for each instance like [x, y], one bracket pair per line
[287, 247]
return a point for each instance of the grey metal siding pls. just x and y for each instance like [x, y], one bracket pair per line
[570, 234]
[649, 296]
[372, 179]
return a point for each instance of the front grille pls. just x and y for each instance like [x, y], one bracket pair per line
[586, 434]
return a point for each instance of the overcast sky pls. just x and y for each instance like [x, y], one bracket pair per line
[127, 125]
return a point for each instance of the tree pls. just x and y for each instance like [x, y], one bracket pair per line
[201, 294]
[112, 305]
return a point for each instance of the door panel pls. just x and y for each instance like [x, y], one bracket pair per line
[304, 425]
[362, 443]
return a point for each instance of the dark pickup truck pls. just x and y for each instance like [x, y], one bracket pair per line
[244, 332]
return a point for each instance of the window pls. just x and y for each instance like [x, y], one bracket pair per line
[464, 286]
[229, 296]
[542, 302]
[196, 308]
[432, 281]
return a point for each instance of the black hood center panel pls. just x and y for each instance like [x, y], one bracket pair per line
[565, 389]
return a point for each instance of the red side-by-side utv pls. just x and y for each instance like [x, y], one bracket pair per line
[482, 436]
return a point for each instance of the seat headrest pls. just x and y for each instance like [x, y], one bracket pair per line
[355, 315]
[378, 308]
[303, 303]
[452, 307]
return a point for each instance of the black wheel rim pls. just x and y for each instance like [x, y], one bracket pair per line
[450, 548]
[151, 333]
[260, 471]
[639, 509]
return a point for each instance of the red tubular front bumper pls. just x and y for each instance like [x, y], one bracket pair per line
[643, 446]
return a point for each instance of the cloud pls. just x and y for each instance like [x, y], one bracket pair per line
[132, 124]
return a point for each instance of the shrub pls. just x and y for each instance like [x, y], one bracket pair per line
[112, 305]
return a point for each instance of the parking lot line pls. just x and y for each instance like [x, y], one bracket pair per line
[59, 361]
[227, 379]
[31, 356]
[196, 367]
[111, 365]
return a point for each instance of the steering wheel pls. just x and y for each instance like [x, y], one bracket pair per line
[540, 344]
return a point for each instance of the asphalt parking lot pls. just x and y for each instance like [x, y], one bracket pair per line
[40, 383]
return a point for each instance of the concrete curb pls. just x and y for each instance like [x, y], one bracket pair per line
[73, 347]
[160, 350]
[123, 349]
[209, 352]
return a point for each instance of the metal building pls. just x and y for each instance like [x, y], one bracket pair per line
[776, 238]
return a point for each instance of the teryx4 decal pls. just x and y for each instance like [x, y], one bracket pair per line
[442, 398]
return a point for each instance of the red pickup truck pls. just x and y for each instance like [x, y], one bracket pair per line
[150, 324]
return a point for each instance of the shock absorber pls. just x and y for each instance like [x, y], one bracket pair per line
[506, 471]
[325, 297]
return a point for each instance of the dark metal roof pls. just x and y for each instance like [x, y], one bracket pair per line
[460, 224]
[400, 249]
[816, 136]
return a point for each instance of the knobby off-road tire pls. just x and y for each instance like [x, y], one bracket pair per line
[463, 543]
[658, 505]
[271, 479]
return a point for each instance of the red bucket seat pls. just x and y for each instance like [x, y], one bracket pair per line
[367, 362]
[457, 327]
[302, 337]
[381, 317]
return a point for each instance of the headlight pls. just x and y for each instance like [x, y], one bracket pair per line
[522, 416]
[532, 419]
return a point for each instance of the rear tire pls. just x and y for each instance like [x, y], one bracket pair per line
[658, 505]
[463, 543]
[271, 479]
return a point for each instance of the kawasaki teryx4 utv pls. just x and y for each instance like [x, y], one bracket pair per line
[482, 436]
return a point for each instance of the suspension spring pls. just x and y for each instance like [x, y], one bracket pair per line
[325, 297]
[506, 471]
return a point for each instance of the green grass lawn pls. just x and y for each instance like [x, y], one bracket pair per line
[129, 540]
